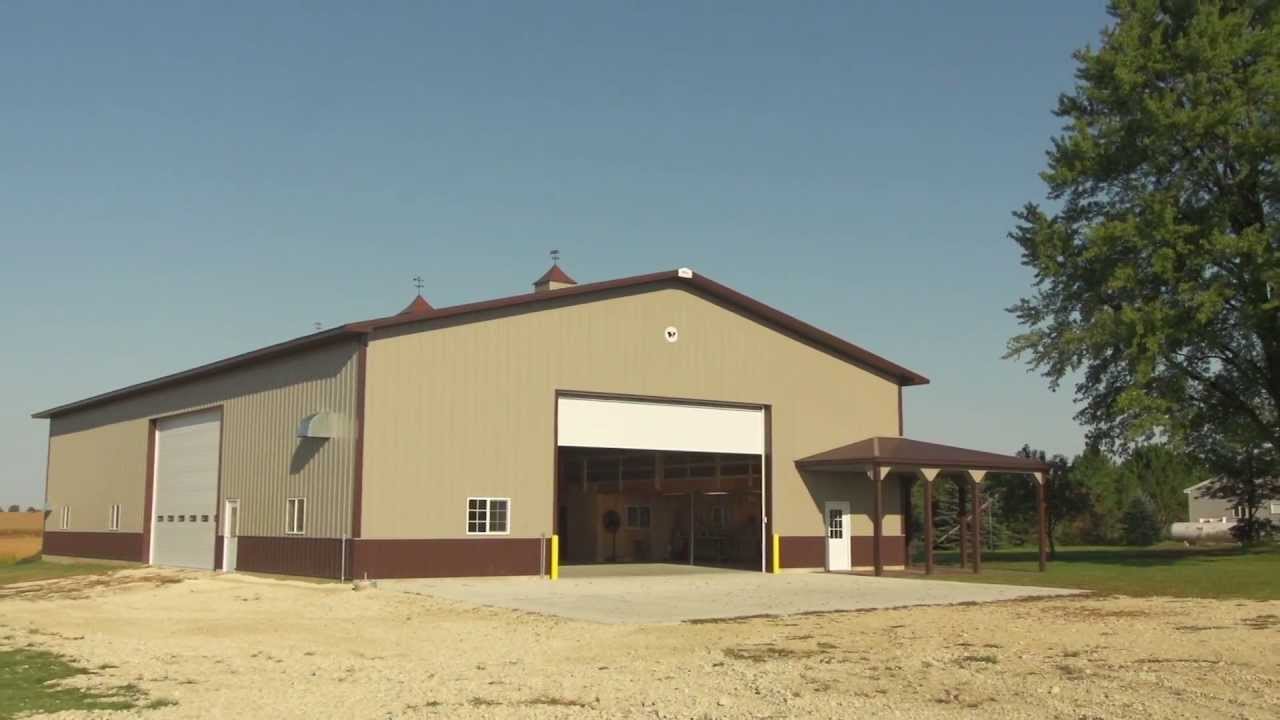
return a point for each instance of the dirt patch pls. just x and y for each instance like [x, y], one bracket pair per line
[307, 650]
[82, 587]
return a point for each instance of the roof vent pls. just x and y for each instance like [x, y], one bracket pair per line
[553, 279]
[684, 273]
[321, 425]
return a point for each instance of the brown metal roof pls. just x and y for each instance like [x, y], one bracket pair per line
[903, 451]
[755, 308]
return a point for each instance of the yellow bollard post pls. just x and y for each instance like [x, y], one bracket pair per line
[555, 557]
[777, 554]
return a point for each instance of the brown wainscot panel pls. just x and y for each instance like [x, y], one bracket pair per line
[892, 552]
[470, 557]
[311, 557]
[100, 545]
[802, 551]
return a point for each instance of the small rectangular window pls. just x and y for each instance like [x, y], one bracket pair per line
[204, 518]
[1239, 512]
[113, 519]
[159, 518]
[295, 516]
[488, 516]
[170, 518]
[638, 516]
[66, 516]
[1275, 508]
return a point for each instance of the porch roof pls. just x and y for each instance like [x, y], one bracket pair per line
[900, 451]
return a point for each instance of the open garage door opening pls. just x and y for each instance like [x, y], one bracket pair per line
[650, 481]
[635, 506]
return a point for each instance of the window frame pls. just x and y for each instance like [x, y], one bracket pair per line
[488, 515]
[1275, 507]
[1239, 512]
[648, 517]
[113, 518]
[295, 522]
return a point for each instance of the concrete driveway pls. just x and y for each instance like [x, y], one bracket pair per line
[660, 594]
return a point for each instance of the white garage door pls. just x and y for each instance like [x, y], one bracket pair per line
[651, 425]
[185, 499]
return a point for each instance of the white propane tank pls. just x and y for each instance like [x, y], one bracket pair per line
[1194, 532]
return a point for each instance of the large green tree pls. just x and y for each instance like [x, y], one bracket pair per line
[1157, 269]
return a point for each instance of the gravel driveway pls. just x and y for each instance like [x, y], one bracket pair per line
[659, 594]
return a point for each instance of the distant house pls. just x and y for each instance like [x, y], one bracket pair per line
[1204, 509]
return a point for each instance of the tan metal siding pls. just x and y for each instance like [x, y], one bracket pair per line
[468, 408]
[98, 456]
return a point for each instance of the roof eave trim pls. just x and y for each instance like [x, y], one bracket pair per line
[903, 462]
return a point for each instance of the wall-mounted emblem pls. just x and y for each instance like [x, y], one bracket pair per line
[671, 334]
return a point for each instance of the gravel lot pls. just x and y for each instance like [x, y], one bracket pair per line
[664, 593]
[227, 646]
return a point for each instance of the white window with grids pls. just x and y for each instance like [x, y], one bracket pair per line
[638, 516]
[488, 516]
[1239, 512]
[66, 517]
[113, 518]
[835, 524]
[295, 516]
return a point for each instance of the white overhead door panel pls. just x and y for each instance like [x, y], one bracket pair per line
[652, 425]
[185, 497]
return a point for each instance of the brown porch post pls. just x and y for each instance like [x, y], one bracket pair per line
[877, 520]
[906, 483]
[962, 492]
[977, 524]
[1041, 479]
[928, 526]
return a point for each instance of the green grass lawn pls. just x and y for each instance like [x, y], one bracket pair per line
[29, 684]
[29, 570]
[1169, 569]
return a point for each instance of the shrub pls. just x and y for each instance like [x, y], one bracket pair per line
[1141, 521]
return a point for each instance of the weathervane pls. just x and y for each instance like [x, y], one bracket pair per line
[555, 257]
[417, 283]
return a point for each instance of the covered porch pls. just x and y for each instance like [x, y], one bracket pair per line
[879, 457]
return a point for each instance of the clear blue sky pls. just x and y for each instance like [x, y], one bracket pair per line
[184, 181]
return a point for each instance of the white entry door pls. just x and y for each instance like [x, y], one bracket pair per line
[839, 551]
[230, 535]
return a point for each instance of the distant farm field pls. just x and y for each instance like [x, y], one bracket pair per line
[21, 536]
